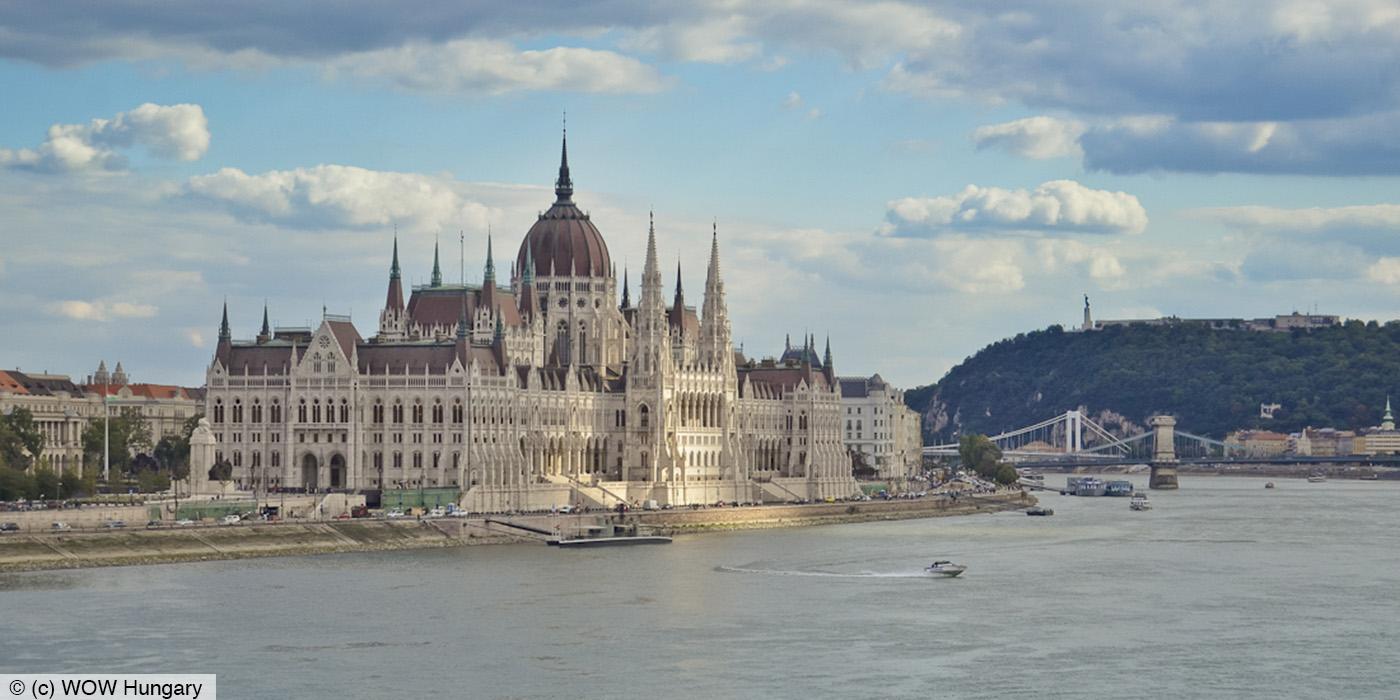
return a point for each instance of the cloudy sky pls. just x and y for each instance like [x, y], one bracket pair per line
[915, 179]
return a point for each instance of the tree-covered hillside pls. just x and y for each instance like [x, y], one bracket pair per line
[1213, 381]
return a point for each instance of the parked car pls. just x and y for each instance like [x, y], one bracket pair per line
[184, 522]
[9, 527]
[438, 512]
[231, 519]
[359, 512]
[114, 524]
[343, 516]
[395, 513]
[153, 524]
[60, 527]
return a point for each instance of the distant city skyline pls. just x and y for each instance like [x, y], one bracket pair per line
[916, 179]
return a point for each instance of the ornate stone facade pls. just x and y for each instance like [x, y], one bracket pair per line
[544, 393]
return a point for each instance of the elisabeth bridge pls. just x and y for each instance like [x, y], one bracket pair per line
[1074, 440]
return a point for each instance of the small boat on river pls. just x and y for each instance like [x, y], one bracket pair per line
[1040, 510]
[1268, 484]
[944, 568]
[1140, 502]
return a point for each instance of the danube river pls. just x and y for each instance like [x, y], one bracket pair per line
[1225, 589]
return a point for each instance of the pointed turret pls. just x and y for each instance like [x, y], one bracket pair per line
[677, 312]
[717, 346]
[1388, 420]
[392, 325]
[265, 334]
[529, 302]
[119, 375]
[395, 297]
[437, 269]
[626, 294]
[826, 360]
[225, 335]
[490, 276]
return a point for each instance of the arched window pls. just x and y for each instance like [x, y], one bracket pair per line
[437, 411]
[377, 412]
[301, 411]
[238, 410]
[275, 414]
[457, 412]
[218, 410]
[257, 411]
[344, 411]
[417, 460]
[645, 414]
[398, 460]
[398, 411]
[316, 363]
[275, 458]
[316, 411]
[417, 411]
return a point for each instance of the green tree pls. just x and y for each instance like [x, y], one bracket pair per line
[172, 454]
[14, 484]
[21, 442]
[1006, 475]
[45, 484]
[71, 486]
[128, 435]
[979, 454]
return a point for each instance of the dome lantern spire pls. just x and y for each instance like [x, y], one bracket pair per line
[564, 186]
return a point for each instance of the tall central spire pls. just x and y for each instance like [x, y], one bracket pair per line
[564, 186]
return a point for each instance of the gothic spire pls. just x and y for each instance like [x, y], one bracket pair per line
[626, 295]
[437, 269]
[224, 333]
[394, 267]
[462, 322]
[527, 275]
[826, 359]
[394, 298]
[564, 186]
[490, 277]
[265, 334]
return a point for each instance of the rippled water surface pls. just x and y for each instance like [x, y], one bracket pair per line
[1225, 589]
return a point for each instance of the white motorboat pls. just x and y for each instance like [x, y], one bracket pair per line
[1140, 502]
[944, 568]
[1317, 478]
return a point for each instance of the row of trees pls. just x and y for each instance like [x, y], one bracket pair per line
[136, 462]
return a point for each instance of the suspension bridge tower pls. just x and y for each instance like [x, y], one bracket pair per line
[1163, 453]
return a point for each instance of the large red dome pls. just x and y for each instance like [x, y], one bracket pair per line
[564, 242]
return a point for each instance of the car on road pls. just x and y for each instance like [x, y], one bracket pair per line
[395, 513]
[9, 527]
[231, 519]
[60, 527]
[343, 516]
[184, 522]
[153, 524]
[114, 524]
[437, 513]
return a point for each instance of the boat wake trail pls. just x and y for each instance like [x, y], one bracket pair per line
[820, 574]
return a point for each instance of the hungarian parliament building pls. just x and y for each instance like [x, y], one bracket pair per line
[548, 392]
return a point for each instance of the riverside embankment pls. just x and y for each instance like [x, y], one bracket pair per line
[67, 550]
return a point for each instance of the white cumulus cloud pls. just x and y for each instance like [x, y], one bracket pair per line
[1063, 206]
[1033, 137]
[99, 310]
[176, 132]
[341, 196]
[494, 67]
